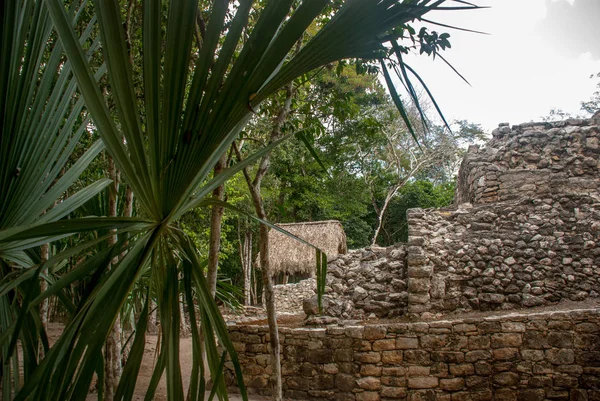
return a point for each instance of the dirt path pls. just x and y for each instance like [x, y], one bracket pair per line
[145, 374]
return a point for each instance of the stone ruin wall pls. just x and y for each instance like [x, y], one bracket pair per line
[506, 255]
[517, 357]
[531, 160]
[531, 232]
[528, 236]
[359, 283]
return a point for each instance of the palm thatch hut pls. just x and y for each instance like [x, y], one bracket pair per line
[288, 256]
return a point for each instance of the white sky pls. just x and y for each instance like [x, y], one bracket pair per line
[525, 67]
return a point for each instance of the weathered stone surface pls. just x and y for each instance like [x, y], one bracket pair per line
[369, 383]
[423, 382]
[540, 357]
[526, 232]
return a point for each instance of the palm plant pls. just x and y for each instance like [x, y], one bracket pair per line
[165, 132]
[42, 118]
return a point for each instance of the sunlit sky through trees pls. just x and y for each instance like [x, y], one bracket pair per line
[539, 55]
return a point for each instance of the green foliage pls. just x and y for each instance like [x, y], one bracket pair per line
[165, 118]
[417, 194]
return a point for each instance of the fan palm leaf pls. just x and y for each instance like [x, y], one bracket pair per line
[165, 133]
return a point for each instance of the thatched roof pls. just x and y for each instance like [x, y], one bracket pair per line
[288, 255]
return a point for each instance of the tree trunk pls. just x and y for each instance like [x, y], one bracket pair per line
[254, 187]
[216, 217]
[184, 327]
[381, 212]
[152, 318]
[270, 305]
[112, 355]
[246, 259]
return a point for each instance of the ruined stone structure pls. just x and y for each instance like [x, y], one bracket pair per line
[530, 234]
[552, 355]
[359, 283]
[525, 232]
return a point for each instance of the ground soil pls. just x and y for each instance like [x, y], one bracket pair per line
[145, 374]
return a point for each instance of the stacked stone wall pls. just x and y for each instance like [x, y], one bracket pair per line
[528, 235]
[551, 355]
[289, 297]
[359, 283]
[506, 255]
[530, 160]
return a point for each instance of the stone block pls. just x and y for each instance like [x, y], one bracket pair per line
[506, 354]
[465, 369]
[531, 395]
[393, 381]
[506, 379]
[417, 357]
[407, 343]
[374, 332]
[513, 327]
[297, 383]
[418, 371]
[355, 331]
[345, 382]
[423, 382]
[391, 357]
[415, 271]
[560, 356]
[505, 394]
[503, 340]
[478, 342]
[464, 328]
[343, 355]
[370, 370]
[561, 339]
[393, 392]
[452, 384]
[448, 356]
[434, 341]
[368, 396]
[384, 345]
[419, 285]
[367, 357]
[474, 356]
[418, 298]
[477, 382]
[369, 383]
[320, 356]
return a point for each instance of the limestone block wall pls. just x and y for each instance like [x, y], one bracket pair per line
[359, 283]
[552, 355]
[504, 255]
[532, 159]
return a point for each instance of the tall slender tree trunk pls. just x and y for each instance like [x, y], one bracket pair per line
[269, 295]
[381, 212]
[245, 249]
[248, 267]
[112, 352]
[216, 218]
[254, 187]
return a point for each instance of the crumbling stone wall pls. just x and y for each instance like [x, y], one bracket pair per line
[508, 255]
[551, 355]
[289, 297]
[359, 283]
[532, 160]
[530, 234]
